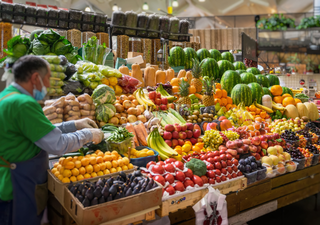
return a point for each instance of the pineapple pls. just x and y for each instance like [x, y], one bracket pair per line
[184, 92]
[208, 98]
[196, 72]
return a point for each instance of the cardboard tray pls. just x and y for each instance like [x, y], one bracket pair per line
[57, 187]
[111, 210]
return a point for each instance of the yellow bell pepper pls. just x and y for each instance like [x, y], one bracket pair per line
[118, 90]
[113, 81]
[105, 81]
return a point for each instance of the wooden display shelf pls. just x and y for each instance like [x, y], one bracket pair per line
[189, 199]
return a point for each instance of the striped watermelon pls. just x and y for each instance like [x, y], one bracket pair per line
[227, 56]
[266, 91]
[202, 54]
[273, 80]
[230, 79]
[257, 92]
[177, 57]
[263, 80]
[241, 93]
[286, 90]
[215, 54]
[253, 70]
[188, 65]
[241, 71]
[190, 54]
[224, 65]
[239, 66]
[247, 78]
[209, 68]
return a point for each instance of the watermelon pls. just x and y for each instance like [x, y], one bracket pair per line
[241, 93]
[227, 56]
[241, 71]
[224, 65]
[215, 54]
[230, 79]
[177, 57]
[239, 66]
[286, 90]
[257, 92]
[273, 80]
[190, 54]
[247, 78]
[210, 68]
[188, 65]
[263, 80]
[202, 54]
[253, 70]
[266, 91]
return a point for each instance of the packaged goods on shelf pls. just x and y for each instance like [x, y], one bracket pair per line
[174, 28]
[21, 9]
[75, 17]
[7, 16]
[153, 24]
[131, 21]
[63, 18]
[135, 45]
[103, 38]
[6, 35]
[142, 23]
[165, 26]
[88, 19]
[100, 22]
[118, 19]
[53, 17]
[146, 46]
[86, 36]
[122, 46]
[42, 15]
[30, 10]
[74, 36]
[53, 110]
[87, 108]
[183, 29]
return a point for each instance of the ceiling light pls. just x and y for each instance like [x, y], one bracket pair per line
[175, 3]
[273, 10]
[87, 9]
[145, 6]
[115, 7]
[202, 0]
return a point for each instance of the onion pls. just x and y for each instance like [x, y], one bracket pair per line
[131, 97]
[138, 111]
[124, 115]
[123, 98]
[119, 107]
[142, 118]
[132, 119]
[141, 107]
[118, 115]
[123, 120]
[114, 120]
[135, 102]
[127, 104]
[132, 111]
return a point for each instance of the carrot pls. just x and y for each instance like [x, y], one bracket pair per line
[140, 134]
[198, 95]
[143, 128]
[131, 129]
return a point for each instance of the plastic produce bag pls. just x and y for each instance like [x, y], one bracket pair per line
[164, 26]
[71, 110]
[118, 19]
[53, 17]
[32, 11]
[174, 28]
[183, 29]
[42, 16]
[121, 147]
[128, 84]
[212, 209]
[53, 110]
[7, 17]
[21, 9]
[131, 21]
[142, 23]
[153, 24]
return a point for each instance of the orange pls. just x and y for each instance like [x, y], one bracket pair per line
[228, 106]
[200, 145]
[218, 93]
[297, 100]
[113, 170]
[77, 164]
[175, 89]
[73, 179]
[286, 95]
[82, 170]
[93, 160]
[96, 168]
[218, 85]
[80, 177]
[107, 158]
[258, 119]
[252, 113]
[192, 89]
[174, 82]
[69, 165]
[256, 126]
[196, 149]
[85, 161]
[224, 93]
[276, 90]
[250, 127]
[99, 159]
[87, 176]
[252, 108]
[258, 111]
[106, 171]
[277, 99]
[288, 101]
[114, 163]
[89, 168]
[108, 165]
[75, 172]
[224, 101]
[103, 166]
[217, 100]
[229, 99]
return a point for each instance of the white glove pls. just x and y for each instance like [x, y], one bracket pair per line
[85, 123]
[97, 135]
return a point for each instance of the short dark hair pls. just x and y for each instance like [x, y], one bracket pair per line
[25, 66]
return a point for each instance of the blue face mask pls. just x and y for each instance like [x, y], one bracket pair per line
[39, 95]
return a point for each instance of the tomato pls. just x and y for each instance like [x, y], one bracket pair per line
[180, 176]
[179, 165]
[170, 160]
[150, 163]
[170, 190]
[189, 174]
[204, 179]
[197, 180]
[169, 168]
[160, 179]
[158, 169]
[188, 183]
[169, 177]
[179, 186]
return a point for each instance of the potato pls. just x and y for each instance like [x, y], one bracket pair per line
[85, 106]
[59, 110]
[84, 112]
[73, 103]
[67, 109]
[49, 110]
[93, 107]
[60, 116]
[56, 121]
[52, 116]
[70, 97]
[92, 113]
[73, 113]
[73, 118]
[75, 108]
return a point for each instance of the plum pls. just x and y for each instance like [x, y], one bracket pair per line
[248, 161]
[242, 162]
[242, 168]
[252, 158]
[254, 165]
[259, 164]
[248, 169]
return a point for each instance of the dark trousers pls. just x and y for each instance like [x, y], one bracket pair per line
[6, 212]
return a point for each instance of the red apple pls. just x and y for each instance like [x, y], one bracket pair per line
[164, 101]
[264, 144]
[157, 101]
[256, 140]
[171, 105]
[183, 127]
[163, 107]
[152, 95]
[193, 141]
[180, 142]
[264, 138]
[174, 143]
[189, 133]
[231, 144]
[270, 143]
[177, 127]
[196, 133]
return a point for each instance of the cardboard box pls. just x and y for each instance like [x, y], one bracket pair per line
[57, 187]
[134, 54]
[111, 210]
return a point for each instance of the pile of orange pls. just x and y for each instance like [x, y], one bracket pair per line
[84, 167]
[257, 113]
[221, 97]
[284, 99]
[187, 148]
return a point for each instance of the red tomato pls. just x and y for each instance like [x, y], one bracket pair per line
[150, 163]
[170, 178]
[179, 186]
[197, 180]
[158, 169]
[180, 176]
[160, 179]
[204, 179]
[189, 174]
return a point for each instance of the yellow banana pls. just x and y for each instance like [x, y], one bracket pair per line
[265, 108]
[145, 100]
[137, 96]
[154, 146]
[276, 107]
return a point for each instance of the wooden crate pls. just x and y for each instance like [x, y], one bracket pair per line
[189, 199]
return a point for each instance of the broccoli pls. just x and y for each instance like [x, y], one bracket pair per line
[198, 167]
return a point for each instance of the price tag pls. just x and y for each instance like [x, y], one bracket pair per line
[302, 82]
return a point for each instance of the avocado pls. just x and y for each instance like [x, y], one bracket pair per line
[101, 200]
[94, 201]
[89, 194]
[117, 196]
[128, 192]
[135, 191]
[113, 190]
[105, 191]
[123, 175]
[97, 192]
[109, 198]
[86, 202]
[80, 198]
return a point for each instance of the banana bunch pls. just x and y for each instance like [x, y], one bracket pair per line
[156, 142]
[265, 108]
[142, 99]
[165, 94]
[275, 106]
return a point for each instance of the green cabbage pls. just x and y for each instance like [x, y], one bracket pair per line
[103, 94]
[62, 47]
[40, 47]
[102, 113]
[17, 46]
[48, 36]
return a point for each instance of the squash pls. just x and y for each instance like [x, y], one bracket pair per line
[150, 77]
[182, 73]
[189, 76]
[137, 73]
[160, 77]
[169, 75]
[291, 112]
[124, 70]
[313, 111]
[267, 101]
[302, 110]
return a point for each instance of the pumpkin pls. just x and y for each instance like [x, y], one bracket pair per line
[276, 90]
[150, 76]
[160, 77]
[267, 101]
[288, 101]
[137, 73]
[302, 110]
[291, 112]
[225, 125]
[124, 70]
[313, 111]
[297, 100]
[192, 89]
[189, 76]
[182, 73]
[286, 95]
[277, 99]
[169, 75]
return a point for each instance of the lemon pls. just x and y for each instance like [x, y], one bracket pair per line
[94, 174]
[87, 176]
[106, 171]
[54, 170]
[89, 169]
[96, 168]
[67, 173]
[75, 172]
[100, 173]
[125, 168]
[119, 169]
[108, 165]
[73, 179]
[80, 177]
[103, 166]
[114, 163]
[82, 170]
[93, 160]
[65, 180]
[56, 174]
[125, 160]
[69, 165]
[130, 166]
[150, 153]
[77, 164]
[120, 162]
[143, 154]
[60, 177]
[113, 170]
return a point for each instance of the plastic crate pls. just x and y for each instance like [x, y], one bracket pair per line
[262, 174]
[252, 177]
[301, 163]
[308, 161]
[142, 162]
[315, 159]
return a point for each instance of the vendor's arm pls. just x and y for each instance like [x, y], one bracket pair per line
[66, 127]
[57, 143]
[72, 126]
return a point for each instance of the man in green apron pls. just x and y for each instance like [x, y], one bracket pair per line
[26, 138]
